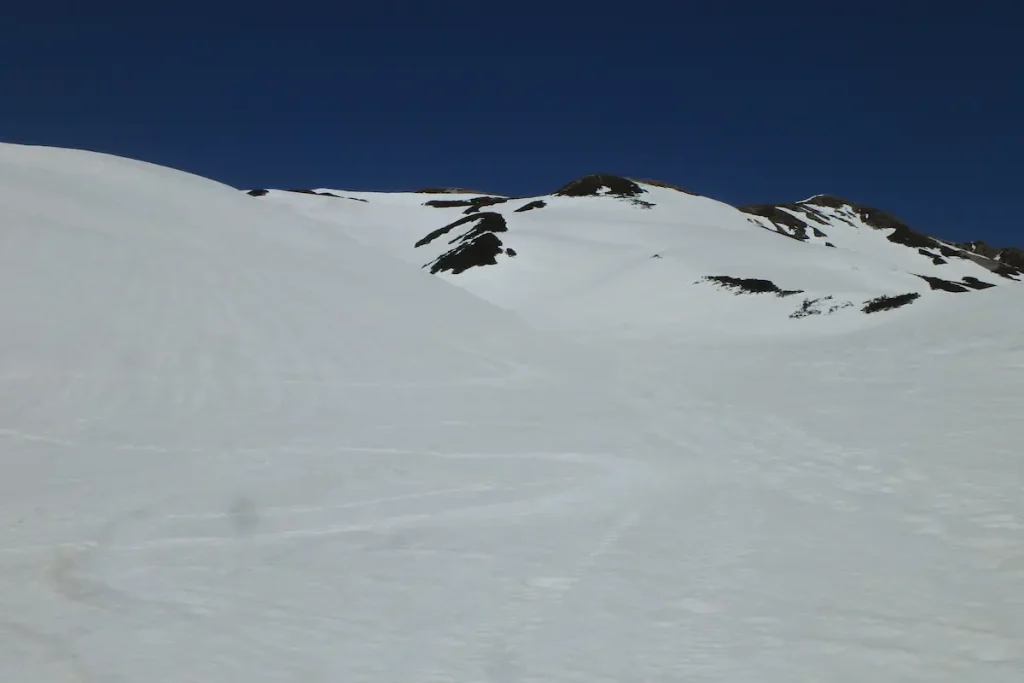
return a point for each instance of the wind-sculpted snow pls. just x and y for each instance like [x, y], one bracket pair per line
[243, 443]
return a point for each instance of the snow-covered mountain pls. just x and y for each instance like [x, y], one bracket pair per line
[608, 251]
[257, 440]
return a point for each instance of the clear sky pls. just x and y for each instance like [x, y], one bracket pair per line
[914, 107]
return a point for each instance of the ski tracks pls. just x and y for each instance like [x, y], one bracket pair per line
[536, 603]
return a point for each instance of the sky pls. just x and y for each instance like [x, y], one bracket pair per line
[913, 107]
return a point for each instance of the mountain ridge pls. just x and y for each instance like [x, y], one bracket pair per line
[653, 248]
[779, 213]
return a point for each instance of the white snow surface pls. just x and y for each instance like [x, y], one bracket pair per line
[244, 444]
[603, 263]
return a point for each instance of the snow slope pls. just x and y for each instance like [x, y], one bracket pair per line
[633, 264]
[240, 446]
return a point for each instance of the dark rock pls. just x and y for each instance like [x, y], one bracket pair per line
[750, 285]
[448, 190]
[600, 185]
[447, 203]
[1012, 256]
[980, 248]
[936, 259]
[510, 252]
[806, 309]
[478, 246]
[1009, 272]
[888, 303]
[474, 203]
[975, 283]
[539, 204]
[483, 202]
[813, 213]
[490, 221]
[670, 186]
[795, 227]
[813, 307]
[829, 244]
[324, 194]
[880, 220]
[937, 283]
[829, 201]
[257, 193]
[911, 238]
[482, 250]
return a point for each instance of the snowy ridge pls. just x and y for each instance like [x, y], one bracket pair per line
[626, 254]
[254, 440]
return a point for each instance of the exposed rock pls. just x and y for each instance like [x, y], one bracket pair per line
[1009, 272]
[937, 283]
[474, 204]
[750, 285]
[975, 283]
[480, 250]
[980, 248]
[257, 193]
[911, 238]
[494, 220]
[484, 201]
[478, 246]
[448, 190]
[825, 305]
[936, 259]
[829, 201]
[600, 185]
[659, 183]
[539, 204]
[777, 214]
[880, 220]
[888, 303]
[1012, 256]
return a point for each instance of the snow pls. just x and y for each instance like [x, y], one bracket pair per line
[584, 264]
[245, 444]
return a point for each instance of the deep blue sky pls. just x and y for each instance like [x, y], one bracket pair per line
[913, 107]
